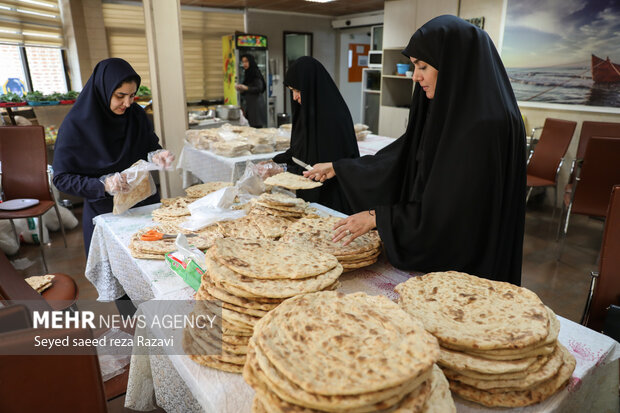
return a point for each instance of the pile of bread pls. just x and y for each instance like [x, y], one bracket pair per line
[330, 352]
[234, 141]
[498, 341]
[251, 277]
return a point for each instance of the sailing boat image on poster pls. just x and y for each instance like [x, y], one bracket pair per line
[563, 51]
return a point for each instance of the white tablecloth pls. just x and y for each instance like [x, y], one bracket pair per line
[176, 383]
[207, 166]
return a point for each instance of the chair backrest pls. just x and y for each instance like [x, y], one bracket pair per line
[24, 162]
[607, 290]
[14, 287]
[599, 172]
[551, 148]
[54, 383]
[589, 129]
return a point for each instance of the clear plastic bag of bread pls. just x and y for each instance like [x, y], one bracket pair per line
[132, 186]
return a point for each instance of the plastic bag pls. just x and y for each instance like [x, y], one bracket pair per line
[30, 233]
[212, 208]
[113, 364]
[140, 186]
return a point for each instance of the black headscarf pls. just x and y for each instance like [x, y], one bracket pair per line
[450, 193]
[252, 73]
[322, 128]
[93, 140]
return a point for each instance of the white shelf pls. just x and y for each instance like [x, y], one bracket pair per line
[372, 91]
[397, 77]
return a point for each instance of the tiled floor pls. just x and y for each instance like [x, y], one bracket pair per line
[562, 285]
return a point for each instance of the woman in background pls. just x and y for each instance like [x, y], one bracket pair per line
[450, 193]
[322, 128]
[253, 89]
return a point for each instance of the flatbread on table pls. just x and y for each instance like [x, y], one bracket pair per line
[292, 181]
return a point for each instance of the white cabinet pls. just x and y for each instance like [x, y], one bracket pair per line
[393, 121]
[398, 22]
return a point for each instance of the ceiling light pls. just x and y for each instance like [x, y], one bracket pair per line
[321, 1]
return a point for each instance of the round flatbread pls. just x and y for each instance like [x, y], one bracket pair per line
[473, 313]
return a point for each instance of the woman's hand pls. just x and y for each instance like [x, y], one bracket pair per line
[116, 184]
[354, 226]
[321, 172]
[163, 158]
[241, 88]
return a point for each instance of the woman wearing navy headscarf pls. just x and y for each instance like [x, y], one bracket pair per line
[105, 132]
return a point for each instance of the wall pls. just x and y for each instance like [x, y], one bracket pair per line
[273, 24]
[351, 91]
[85, 38]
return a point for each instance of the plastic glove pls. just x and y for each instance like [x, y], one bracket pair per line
[162, 158]
[115, 183]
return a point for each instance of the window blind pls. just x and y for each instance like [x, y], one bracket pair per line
[202, 45]
[31, 23]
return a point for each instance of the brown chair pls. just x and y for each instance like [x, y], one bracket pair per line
[546, 160]
[51, 382]
[63, 383]
[589, 129]
[23, 157]
[605, 284]
[594, 179]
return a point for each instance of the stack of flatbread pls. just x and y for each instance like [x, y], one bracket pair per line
[156, 250]
[282, 142]
[279, 205]
[291, 181]
[200, 190]
[361, 131]
[232, 148]
[318, 233]
[40, 283]
[498, 341]
[327, 351]
[261, 141]
[251, 277]
[172, 210]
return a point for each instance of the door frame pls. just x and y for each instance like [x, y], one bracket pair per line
[285, 62]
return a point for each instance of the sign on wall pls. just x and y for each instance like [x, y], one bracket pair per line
[566, 52]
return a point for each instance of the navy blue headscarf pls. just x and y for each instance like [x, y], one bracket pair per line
[93, 140]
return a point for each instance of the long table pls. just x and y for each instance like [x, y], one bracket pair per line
[176, 383]
[208, 167]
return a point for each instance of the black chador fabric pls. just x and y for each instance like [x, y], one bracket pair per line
[450, 193]
[255, 108]
[94, 141]
[322, 128]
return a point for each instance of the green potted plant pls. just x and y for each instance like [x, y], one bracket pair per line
[11, 99]
[68, 98]
[36, 98]
[143, 93]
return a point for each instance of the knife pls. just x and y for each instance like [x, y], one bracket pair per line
[302, 164]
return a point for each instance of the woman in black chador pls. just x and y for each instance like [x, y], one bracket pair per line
[104, 132]
[322, 128]
[450, 193]
[253, 89]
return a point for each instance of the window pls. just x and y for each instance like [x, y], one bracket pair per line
[12, 76]
[47, 72]
[31, 39]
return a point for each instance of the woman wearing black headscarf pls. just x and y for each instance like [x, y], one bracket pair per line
[105, 132]
[322, 128]
[253, 88]
[450, 193]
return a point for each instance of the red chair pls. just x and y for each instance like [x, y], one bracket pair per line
[546, 160]
[594, 179]
[589, 129]
[605, 284]
[23, 157]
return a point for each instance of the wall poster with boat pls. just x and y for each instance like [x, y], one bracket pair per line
[564, 51]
